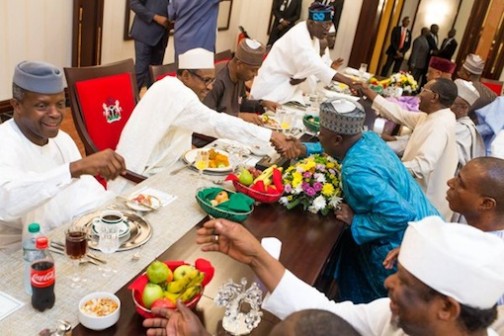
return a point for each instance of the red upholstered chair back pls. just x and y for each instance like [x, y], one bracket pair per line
[158, 72]
[102, 98]
[494, 85]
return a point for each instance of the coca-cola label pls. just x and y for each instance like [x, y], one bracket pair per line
[42, 278]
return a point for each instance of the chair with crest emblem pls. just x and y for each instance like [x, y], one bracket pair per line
[102, 98]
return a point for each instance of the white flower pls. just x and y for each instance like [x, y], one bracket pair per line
[319, 177]
[334, 201]
[318, 204]
[298, 189]
[283, 200]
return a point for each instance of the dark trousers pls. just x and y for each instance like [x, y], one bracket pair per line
[386, 67]
[146, 55]
[418, 74]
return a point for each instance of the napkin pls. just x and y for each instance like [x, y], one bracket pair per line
[163, 197]
[8, 305]
[237, 202]
[273, 245]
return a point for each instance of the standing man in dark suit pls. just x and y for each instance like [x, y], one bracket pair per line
[150, 32]
[400, 42]
[433, 39]
[419, 56]
[286, 13]
[448, 46]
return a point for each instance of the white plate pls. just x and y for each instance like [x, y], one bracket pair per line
[134, 205]
[191, 156]
[272, 123]
[261, 150]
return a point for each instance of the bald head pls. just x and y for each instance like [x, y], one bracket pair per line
[491, 182]
[313, 322]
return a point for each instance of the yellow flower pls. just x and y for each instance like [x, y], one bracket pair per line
[327, 189]
[297, 178]
[330, 165]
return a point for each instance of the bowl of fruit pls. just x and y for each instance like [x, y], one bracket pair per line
[264, 187]
[312, 123]
[166, 282]
[222, 203]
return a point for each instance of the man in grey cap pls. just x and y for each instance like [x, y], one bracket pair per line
[471, 70]
[43, 178]
[229, 94]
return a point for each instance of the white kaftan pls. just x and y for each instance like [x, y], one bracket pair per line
[469, 142]
[294, 55]
[372, 319]
[36, 185]
[159, 130]
[431, 153]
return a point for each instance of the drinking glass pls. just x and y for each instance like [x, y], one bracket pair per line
[202, 162]
[362, 70]
[76, 249]
[286, 119]
[108, 227]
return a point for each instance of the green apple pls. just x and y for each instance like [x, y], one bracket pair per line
[246, 177]
[182, 271]
[158, 272]
[151, 293]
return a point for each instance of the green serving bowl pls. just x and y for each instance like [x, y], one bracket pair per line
[221, 213]
[312, 123]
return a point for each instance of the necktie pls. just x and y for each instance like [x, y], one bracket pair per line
[403, 36]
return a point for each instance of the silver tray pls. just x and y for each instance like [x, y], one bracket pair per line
[140, 230]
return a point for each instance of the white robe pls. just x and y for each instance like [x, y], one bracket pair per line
[372, 319]
[36, 185]
[294, 55]
[431, 153]
[469, 142]
[159, 130]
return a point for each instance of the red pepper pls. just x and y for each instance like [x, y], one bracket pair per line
[232, 177]
[259, 186]
[271, 189]
[277, 180]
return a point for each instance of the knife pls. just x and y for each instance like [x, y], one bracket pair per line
[60, 246]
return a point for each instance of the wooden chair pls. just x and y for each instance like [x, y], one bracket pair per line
[157, 72]
[102, 99]
[494, 85]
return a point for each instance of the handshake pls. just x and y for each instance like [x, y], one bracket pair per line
[288, 146]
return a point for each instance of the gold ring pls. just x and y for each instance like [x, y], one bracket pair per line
[215, 238]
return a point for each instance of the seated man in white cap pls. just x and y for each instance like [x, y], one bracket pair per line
[229, 93]
[43, 177]
[431, 152]
[294, 64]
[469, 142]
[159, 130]
[449, 279]
[471, 70]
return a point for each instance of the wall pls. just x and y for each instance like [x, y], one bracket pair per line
[34, 30]
[461, 23]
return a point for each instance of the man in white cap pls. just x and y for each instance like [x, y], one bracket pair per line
[471, 70]
[431, 152]
[43, 177]
[229, 94]
[294, 65]
[449, 279]
[469, 142]
[160, 127]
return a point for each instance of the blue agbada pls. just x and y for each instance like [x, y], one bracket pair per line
[384, 198]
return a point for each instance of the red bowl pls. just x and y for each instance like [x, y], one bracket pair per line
[257, 195]
[139, 283]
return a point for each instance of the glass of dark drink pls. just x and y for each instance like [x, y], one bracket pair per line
[76, 248]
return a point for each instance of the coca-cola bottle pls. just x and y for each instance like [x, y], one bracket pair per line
[42, 277]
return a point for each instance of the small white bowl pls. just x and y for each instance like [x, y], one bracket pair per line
[95, 322]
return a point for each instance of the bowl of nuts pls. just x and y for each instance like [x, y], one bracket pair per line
[99, 310]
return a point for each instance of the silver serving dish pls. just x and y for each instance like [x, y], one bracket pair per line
[140, 230]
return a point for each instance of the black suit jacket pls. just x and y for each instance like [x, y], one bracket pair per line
[395, 40]
[291, 13]
[144, 28]
[447, 48]
[432, 44]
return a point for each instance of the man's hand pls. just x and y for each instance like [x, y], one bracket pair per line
[182, 322]
[162, 20]
[253, 118]
[364, 89]
[106, 163]
[269, 105]
[296, 81]
[391, 258]
[337, 63]
[294, 149]
[344, 213]
[387, 137]
[280, 142]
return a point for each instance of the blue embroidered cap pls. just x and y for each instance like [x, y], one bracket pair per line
[38, 77]
[342, 116]
[319, 12]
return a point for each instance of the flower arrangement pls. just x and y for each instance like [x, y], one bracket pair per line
[313, 182]
[405, 81]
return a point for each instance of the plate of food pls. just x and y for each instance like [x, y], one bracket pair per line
[143, 202]
[210, 160]
[270, 122]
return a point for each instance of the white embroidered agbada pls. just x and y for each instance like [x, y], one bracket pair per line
[294, 55]
[470, 145]
[36, 185]
[159, 130]
[372, 319]
[431, 153]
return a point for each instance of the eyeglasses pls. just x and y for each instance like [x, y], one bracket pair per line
[206, 81]
[424, 89]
